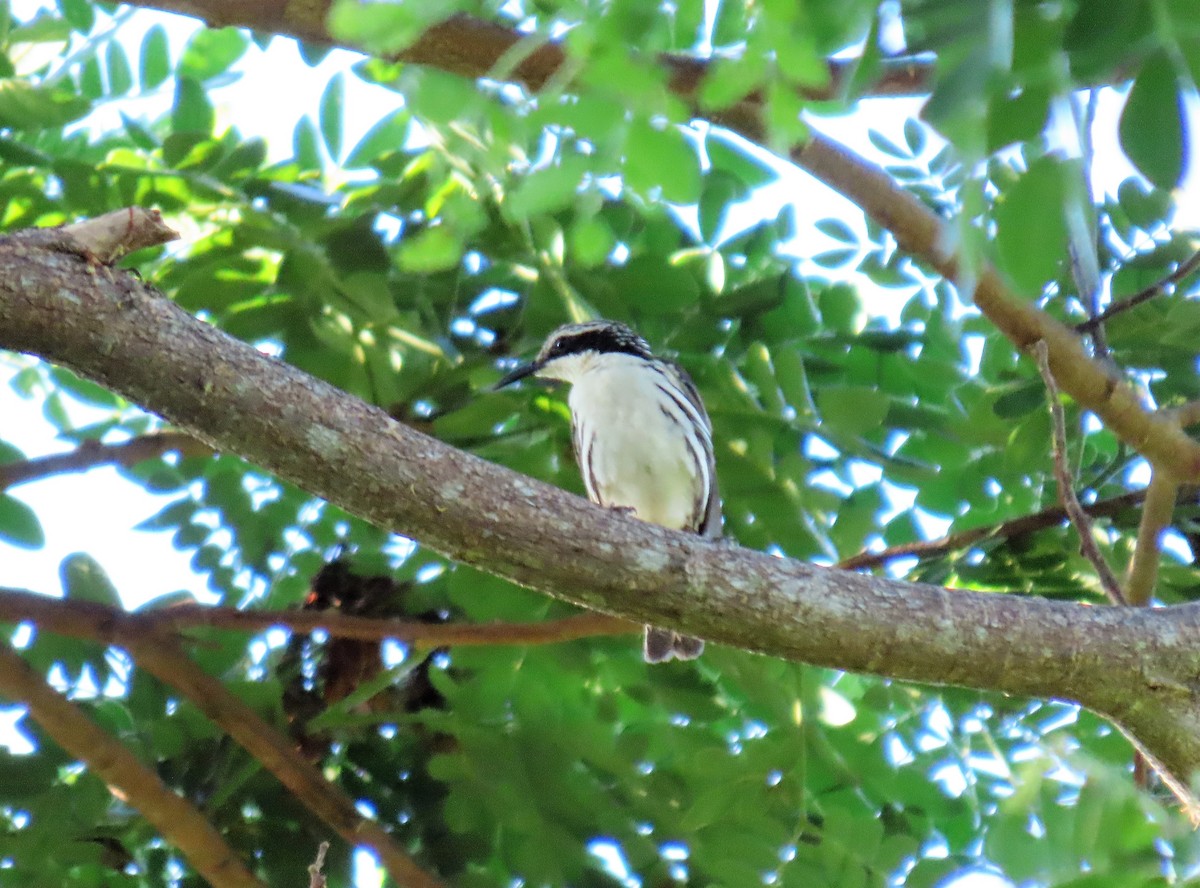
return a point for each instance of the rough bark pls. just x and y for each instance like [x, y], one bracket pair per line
[1136, 665]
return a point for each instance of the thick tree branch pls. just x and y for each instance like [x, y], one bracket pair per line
[134, 783]
[1134, 664]
[91, 620]
[91, 454]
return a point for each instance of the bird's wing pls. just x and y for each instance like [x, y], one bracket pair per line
[710, 523]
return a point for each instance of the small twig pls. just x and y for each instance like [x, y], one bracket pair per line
[1014, 527]
[316, 878]
[1181, 271]
[1066, 484]
[86, 619]
[91, 454]
[175, 818]
[1145, 761]
[1147, 552]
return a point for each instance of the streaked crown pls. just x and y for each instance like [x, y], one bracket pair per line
[600, 337]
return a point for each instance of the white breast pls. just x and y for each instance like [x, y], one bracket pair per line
[639, 457]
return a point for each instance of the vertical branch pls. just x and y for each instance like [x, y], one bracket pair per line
[1085, 266]
[131, 781]
[1066, 485]
[1156, 516]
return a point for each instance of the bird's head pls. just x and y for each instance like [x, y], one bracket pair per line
[571, 349]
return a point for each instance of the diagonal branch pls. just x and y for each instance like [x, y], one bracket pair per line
[1133, 664]
[91, 454]
[1184, 269]
[921, 233]
[1066, 484]
[176, 819]
[1014, 527]
[98, 622]
[161, 656]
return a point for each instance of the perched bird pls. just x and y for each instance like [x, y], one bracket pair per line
[642, 438]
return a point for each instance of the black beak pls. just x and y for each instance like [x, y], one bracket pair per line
[519, 373]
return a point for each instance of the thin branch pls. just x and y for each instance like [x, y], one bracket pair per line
[1014, 527]
[91, 454]
[1147, 552]
[161, 656]
[98, 622]
[373, 629]
[181, 824]
[1066, 484]
[1156, 289]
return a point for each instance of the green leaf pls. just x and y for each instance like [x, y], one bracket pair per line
[385, 28]
[546, 190]
[1031, 232]
[212, 52]
[91, 79]
[45, 28]
[19, 525]
[386, 137]
[728, 81]
[656, 287]
[721, 189]
[174, 515]
[661, 159]
[306, 144]
[434, 249]
[155, 64]
[852, 410]
[591, 241]
[730, 156]
[333, 100]
[192, 112]
[1147, 208]
[80, 13]
[24, 106]
[1152, 128]
[1017, 118]
[10, 453]
[120, 75]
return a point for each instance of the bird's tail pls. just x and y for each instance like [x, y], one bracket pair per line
[664, 644]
